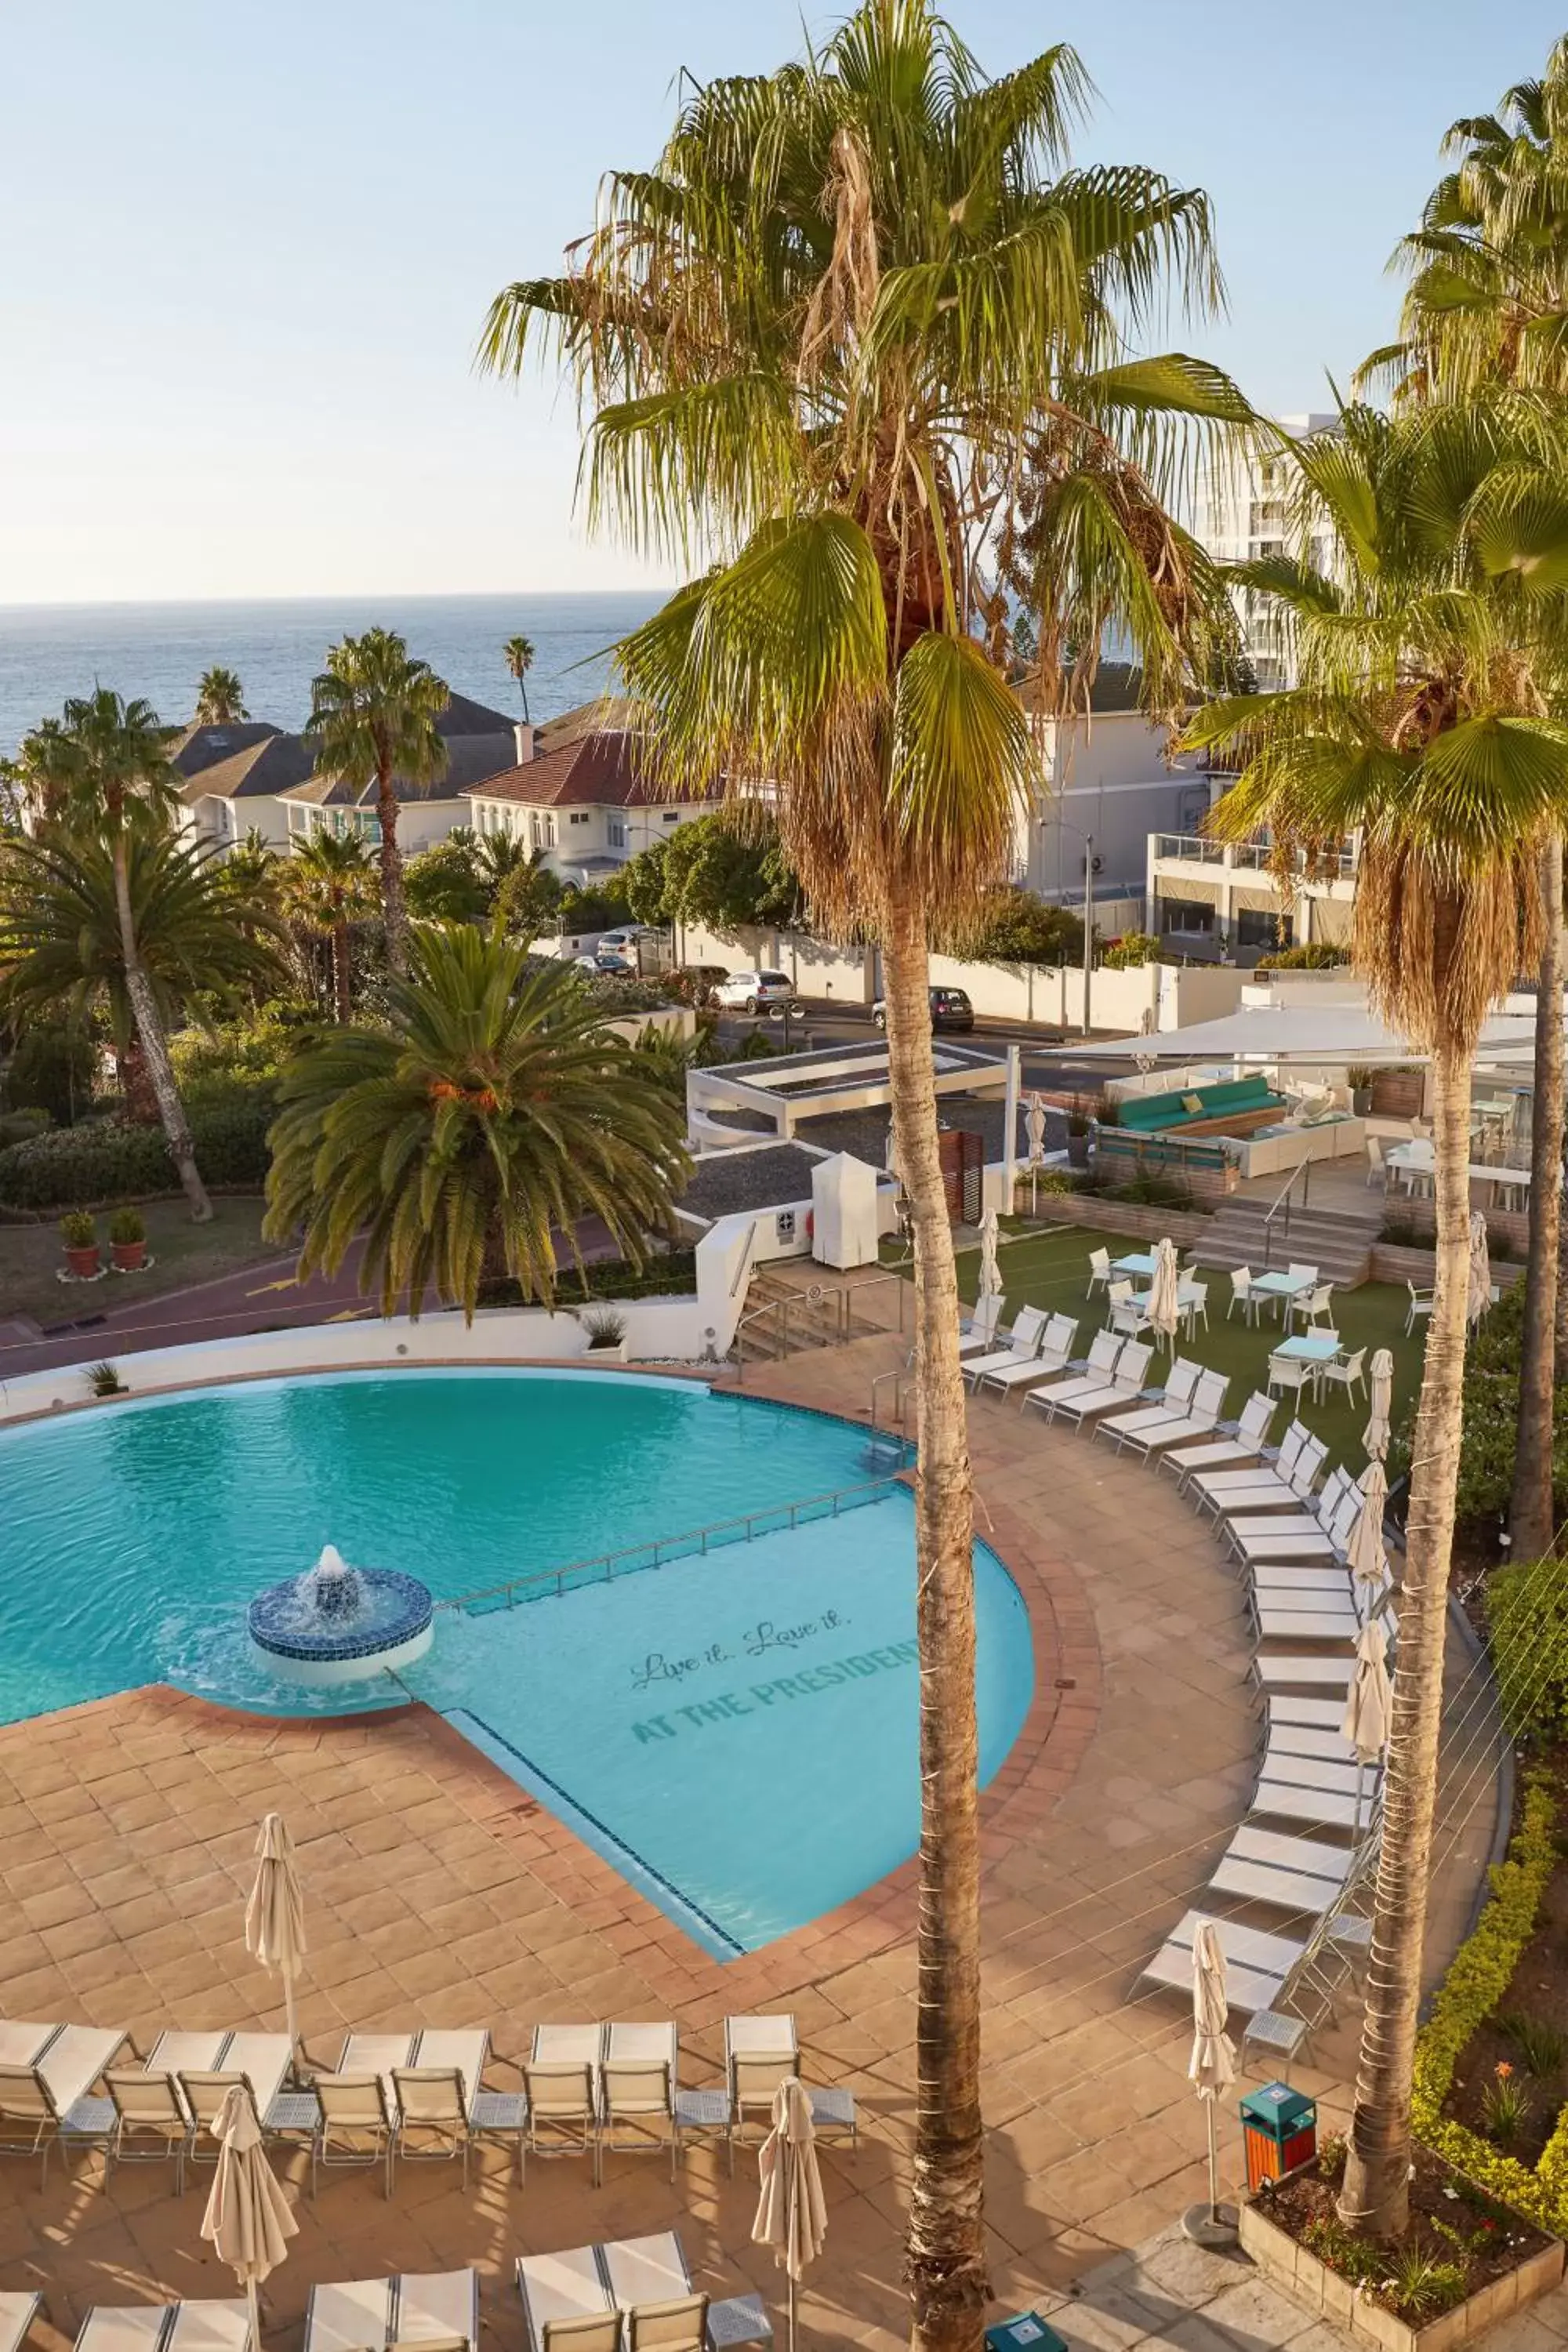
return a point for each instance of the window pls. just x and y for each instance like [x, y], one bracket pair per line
[578, 816]
[1186, 915]
[1257, 927]
[617, 834]
[671, 817]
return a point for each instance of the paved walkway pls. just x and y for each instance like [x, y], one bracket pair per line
[440, 1894]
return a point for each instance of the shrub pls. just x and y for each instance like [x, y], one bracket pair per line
[104, 1381]
[1543, 2046]
[17, 1126]
[1132, 948]
[605, 1326]
[52, 1071]
[1527, 1622]
[1317, 955]
[127, 1225]
[77, 1230]
[111, 1160]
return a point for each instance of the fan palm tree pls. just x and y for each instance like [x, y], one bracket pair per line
[1487, 305]
[819, 348]
[519, 653]
[113, 781]
[220, 698]
[1426, 654]
[494, 1110]
[38, 776]
[373, 719]
[62, 942]
[328, 884]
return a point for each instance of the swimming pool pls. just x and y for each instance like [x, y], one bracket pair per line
[704, 1726]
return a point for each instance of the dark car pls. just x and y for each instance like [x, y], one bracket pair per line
[950, 1009]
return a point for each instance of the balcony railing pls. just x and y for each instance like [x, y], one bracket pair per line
[1250, 856]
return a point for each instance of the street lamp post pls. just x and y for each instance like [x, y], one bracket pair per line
[1088, 840]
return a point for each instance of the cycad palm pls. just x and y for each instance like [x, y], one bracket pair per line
[493, 1110]
[220, 698]
[825, 341]
[110, 770]
[328, 885]
[61, 940]
[373, 714]
[1420, 721]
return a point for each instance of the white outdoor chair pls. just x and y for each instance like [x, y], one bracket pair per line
[1098, 1271]
[1377, 1173]
[1128, 1309]
[1315, 1306]
[1346, 1376]
[1241, 1295]
[1194, 1302]
[1291, 1374]
[1421, 1303]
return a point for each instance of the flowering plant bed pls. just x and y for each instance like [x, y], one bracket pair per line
[1465, 2263]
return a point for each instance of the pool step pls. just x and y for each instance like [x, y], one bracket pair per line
[798, 1321]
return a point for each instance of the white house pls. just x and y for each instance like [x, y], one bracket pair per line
[587, 806]
[479, 742]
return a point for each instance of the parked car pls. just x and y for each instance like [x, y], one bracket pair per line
[617, 966]
[625, 943]
[950, 1009]
[753, 992]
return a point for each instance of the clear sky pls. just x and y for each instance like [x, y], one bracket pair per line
[248, 245]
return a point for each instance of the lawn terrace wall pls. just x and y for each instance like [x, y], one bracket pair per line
[1134, 1219]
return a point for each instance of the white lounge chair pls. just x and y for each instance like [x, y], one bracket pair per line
[562, 2079]
[442, 2111]
[650, 2283]
[1258, 1964]
[978, 1335]
[1305, 1519]
[1246, 1445]
[17, 2313]
[46, 2074]
[437, 2307]
[1105, 1350]
[566, 2303]
[349, 2313]
[1171, 1404]
[1126, 1381]
[1284, 1484]
[636, 2089]
[221, 2325]
[1057, 1343]
[1162, 1431]
[1223, 1481]
[1028, 1329]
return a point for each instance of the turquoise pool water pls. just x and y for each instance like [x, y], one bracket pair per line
[737, 1731]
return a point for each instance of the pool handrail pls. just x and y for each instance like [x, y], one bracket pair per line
[654, 1554]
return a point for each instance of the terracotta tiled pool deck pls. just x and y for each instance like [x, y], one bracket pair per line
[439, 1894]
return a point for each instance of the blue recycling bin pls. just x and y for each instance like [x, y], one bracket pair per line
[1027, 2333]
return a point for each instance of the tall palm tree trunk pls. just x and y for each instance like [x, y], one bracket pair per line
[1530, 1515]
[342, 973]
[154, 1045]
[394, 905]
[945, 2252]
[1376, 2193]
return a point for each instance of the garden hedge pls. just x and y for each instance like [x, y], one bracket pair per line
[109, 1160]
[1477, 1981]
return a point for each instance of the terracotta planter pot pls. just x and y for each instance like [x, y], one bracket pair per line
[84, 1263]
[130, 1257]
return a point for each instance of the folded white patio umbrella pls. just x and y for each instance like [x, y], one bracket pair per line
[1163, 1310]
[1364, 1554]
[990, 1274]
[1034, 1128]
[1478, 1295]
[1369, 1706]
[1374, 1436]
[792, 2212]
[274, 1915]
[248, 2216]
[1212, 2066]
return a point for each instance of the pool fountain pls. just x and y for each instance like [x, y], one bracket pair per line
[338, 1625]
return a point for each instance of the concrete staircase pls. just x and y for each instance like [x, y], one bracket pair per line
[1336, 1241]
[781, 1317]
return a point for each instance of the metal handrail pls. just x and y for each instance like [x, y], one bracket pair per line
[668, 1548]
[899, 1375]
[743, 1271]
[844, 1297]
[1304, 1173]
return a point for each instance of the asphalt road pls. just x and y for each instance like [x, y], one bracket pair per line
[837, 1024]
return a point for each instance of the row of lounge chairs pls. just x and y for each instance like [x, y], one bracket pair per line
[628, 2294]
[1307, 1848]
[419, 2097]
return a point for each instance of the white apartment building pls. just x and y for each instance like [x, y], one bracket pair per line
[1243, 516]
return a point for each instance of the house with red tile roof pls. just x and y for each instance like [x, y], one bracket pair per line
[586, 803]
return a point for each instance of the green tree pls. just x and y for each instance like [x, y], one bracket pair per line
[821, 346]
[524, 895]
[1419, 720]
[329, 885]
[467, 1137]
[374, 720]
[1016, 926]
[444, 886]
[62, 940]
[519, 652]
[715, 873]
[645, 880]
[113, 783]
[220, 698]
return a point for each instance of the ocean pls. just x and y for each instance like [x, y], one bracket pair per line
[49, 652]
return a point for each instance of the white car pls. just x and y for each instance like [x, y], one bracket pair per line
[753, 992]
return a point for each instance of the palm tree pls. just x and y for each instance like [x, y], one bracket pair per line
[519, 653]
[37, 775]
[1420, 720]
[374, 719]
[62, 942]
[328, 885]
[1487, 305]
[220, 698]
[494, 1110]
[819, 348]
[115, 781]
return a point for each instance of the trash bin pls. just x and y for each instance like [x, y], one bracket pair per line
[1028, 2333]
[1279, 2131]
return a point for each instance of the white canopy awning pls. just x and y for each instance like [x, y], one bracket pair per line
[1332, 1035]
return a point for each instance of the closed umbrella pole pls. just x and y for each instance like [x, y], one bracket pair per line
[1369, 1707]
[792, 2212]
[1163, 1310]
[1211, 2069]
[274, 1915]
[1374, 1436]
[247, 2218]
[1479, 1293]
[990, 1274]
[1364, 1554]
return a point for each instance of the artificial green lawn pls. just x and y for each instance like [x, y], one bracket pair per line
[1050, 1268]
